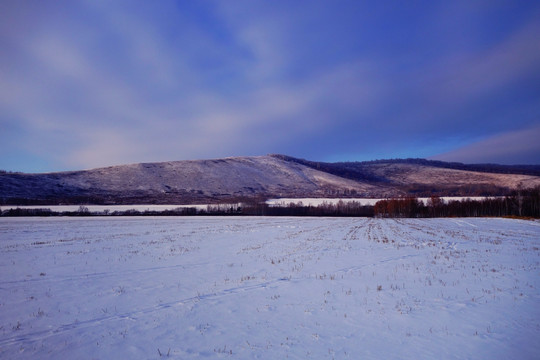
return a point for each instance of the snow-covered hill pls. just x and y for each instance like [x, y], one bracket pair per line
[239, 178]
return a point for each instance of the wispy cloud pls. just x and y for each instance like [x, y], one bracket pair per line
[94, 83]
[514, 147]
[464, 78]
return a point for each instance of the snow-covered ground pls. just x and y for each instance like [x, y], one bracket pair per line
[269, 288]
[363, 201]
[102, 208]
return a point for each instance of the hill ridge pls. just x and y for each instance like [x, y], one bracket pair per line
[248, 178]
[479, 167]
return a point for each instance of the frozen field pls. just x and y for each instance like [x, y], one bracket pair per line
[269, 288]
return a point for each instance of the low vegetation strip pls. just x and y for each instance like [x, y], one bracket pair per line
[521, 203]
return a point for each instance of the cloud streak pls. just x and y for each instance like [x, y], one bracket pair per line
[512, 147]
[86, 84]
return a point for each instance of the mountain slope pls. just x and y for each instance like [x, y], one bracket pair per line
[241, 178]
[426, 177]
[180, 182]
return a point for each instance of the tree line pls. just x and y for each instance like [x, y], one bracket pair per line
[250, 208]
[521, 203]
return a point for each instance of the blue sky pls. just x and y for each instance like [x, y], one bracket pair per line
[85, 84]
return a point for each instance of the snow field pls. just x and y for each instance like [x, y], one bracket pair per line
[270, 288]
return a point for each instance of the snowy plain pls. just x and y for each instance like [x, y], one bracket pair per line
[362, 201]
[269, 288]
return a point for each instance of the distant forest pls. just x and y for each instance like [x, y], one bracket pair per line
[521, 203]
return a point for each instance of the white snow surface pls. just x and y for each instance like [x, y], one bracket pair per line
[110, 208]
[269, 288]
[362, 201]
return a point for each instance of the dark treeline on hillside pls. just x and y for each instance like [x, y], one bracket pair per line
[358, 170]
[523, 203]
[486, 168]
[349, 170]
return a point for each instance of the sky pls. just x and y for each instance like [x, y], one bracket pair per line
[86, 84]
